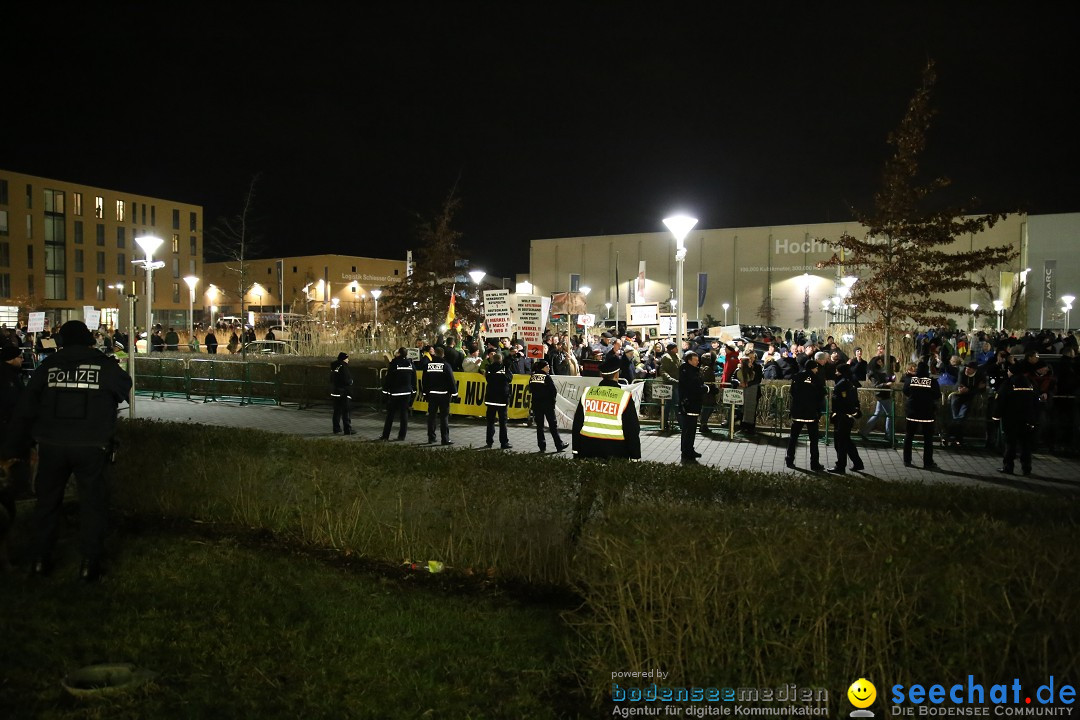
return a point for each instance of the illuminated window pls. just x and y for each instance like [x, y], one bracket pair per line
[76, 203]
[99, 207]
[29, 226]
[3, 222]
[175, 243]
[120, 210]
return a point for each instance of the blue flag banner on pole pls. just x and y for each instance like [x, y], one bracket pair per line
[702, 285]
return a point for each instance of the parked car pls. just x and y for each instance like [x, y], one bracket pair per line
[269, 347]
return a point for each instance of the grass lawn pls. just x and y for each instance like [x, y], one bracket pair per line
[241, 629]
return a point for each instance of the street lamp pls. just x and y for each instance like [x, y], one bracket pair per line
[375, 294]
[999, 311]
[725, 306]
[679, 226]
[1068, 300]
[334, 304]
[191, 281]
[149, 244]
[974, 308]
[585, 290]
[212, 293]
[608, 306]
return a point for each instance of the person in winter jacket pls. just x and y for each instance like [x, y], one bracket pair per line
[1018, 410]
[922, 398]
[692, 390]
[399, 386]
[499, 376]
[807, 403]
[439, 389]
[340, 385]
[845, 410]
[544, 393]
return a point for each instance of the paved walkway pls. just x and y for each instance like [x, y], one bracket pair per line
[764, 452]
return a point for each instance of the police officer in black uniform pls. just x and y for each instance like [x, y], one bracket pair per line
[845, 410]
[499, 375]
[1018, 410]
[544, 392]
[923, 398]
[399, 386]
[340, 385]
[807, 403]
[439, 388]
[69, 409]
[692, 390]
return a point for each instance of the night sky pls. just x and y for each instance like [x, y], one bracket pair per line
[553, 119]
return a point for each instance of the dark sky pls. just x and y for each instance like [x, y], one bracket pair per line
[553, 119]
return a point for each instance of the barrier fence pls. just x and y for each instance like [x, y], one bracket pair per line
[263, 382]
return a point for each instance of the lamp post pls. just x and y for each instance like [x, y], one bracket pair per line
[679, 226]
[974, 309]
[191, 281]
[825, 310]
[334, 304]
[1068, 300]
[999, 311]
[725, 306]
[212, 294]
[477, 277]
[375, 294]
[607, 305]
[149, 244]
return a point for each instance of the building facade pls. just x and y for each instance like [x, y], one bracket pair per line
[762, 271]
[65, 246]
[313, 285]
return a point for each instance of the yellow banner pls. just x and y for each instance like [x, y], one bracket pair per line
[472, 389]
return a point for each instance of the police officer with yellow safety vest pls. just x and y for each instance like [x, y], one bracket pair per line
[69, 409]
[606, 422]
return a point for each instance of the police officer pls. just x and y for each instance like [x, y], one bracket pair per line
[399, 386]
[845, 410]
[544, 392]
[606, 421]
[499, 375]
[692, 389]
[1018, 410]
[340, 384]
[923, 397]
[69, 409]
[807, 403]
[439, 387]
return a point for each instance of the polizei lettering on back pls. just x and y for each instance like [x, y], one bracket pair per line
[85, 377]
[922, 382]
[604, 407]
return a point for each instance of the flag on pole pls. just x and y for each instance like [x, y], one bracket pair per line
[450, 310]
[616, 277]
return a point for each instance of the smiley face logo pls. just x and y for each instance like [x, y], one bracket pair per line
[862, 693]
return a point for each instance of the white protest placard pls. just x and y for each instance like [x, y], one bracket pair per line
[668, 324]
[530, 324]
[36, 322]
[587, 320]
[497, 318]
[643, 314]
[733, 396]
[91, 316]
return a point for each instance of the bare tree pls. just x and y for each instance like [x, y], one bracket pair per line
[235, 239]
[903, 262]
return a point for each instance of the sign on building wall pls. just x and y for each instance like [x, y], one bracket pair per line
[1049, 288]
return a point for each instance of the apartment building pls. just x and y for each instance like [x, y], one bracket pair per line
[65, 246]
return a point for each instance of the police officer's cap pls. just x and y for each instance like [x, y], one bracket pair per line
[75, 332]
[610, 366]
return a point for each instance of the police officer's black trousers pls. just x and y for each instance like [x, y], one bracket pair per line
[845, 449]
[689, 433]
[342, 418]
[55, 465]
[793, 441]
[498, 411]
[438, 406]
[548, 415]
[1018, 438]
[397, 406]
[927, 430]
